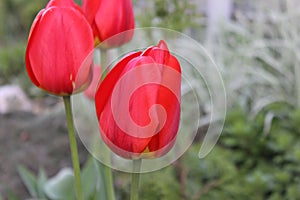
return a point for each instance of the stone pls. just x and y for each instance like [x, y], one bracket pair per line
[13, 98]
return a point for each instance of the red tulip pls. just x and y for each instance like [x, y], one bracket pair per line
[138, 103]
[60, 45]
[109, 18]
[91, 90]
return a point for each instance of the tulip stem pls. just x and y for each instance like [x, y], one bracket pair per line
[73, 146]
[103, 54]
[108, 177]
[109, 183]
[135, 179]
[107, 170]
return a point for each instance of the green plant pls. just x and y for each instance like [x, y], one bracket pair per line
[33, 184]
[171, 14]
[15, 19]
[17, 15]
[11, 61]
[61, 186]
[259, 56]
[267, 159]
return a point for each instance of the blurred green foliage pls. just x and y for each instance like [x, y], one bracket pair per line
[16, 17]
[171, 14]
[61, 186]
[256, 159]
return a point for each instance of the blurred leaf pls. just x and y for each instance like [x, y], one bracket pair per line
[93, 183]
[160, 185]
[293, 192]
[41, 180]
[61, 186]
[100, 193]
[88, 179]
[29, 180]
[12, 196]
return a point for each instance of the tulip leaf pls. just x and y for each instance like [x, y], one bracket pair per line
[29, 180]
[100, 193]
[88, 179]
[41, 180]
[61, 186]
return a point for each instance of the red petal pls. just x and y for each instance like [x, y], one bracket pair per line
[91, 90]
[114, 17]
[60, 3]
[159, 53]
[90, 8]
[27, 60]
[162, 45]
[137, 109]
[106, 86]
[169, 97]
[166, 136]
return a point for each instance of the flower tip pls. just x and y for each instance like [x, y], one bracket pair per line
[162, 44]
[60, 3]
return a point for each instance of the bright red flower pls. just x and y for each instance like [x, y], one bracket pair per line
[138, 103]
[91, 90]
[109, 18]
[60, 45]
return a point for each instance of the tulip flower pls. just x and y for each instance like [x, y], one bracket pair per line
[60, 45]
[138, 103]
[109, 18]
[91, 90]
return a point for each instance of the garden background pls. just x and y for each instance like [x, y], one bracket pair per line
[256, 46]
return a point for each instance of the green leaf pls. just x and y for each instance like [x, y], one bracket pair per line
[61, 186]
[88, 179]
[41, 180]
[29, 180]
[100, 193]
[12, 196]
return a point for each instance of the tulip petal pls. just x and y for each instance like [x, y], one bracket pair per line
[91, 90]
[164, 139]
[162, 45]
[27, 60]
[169, 131]
[112, 17]
[90, 8]
[60, 3]
[138, 107]
[105, 88]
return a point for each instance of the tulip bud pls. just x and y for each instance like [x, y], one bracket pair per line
[138, 103]
[109, 18]
[59, 49]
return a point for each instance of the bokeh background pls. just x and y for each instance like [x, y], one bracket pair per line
[256, 46]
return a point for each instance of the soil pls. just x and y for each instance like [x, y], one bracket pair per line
[34, 140]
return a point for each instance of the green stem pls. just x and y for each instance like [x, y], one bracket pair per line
[108, 178]
[73, 146]
[109, 183]
[297, 84]
[107, 170]
[135, 179]
[103, 54]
